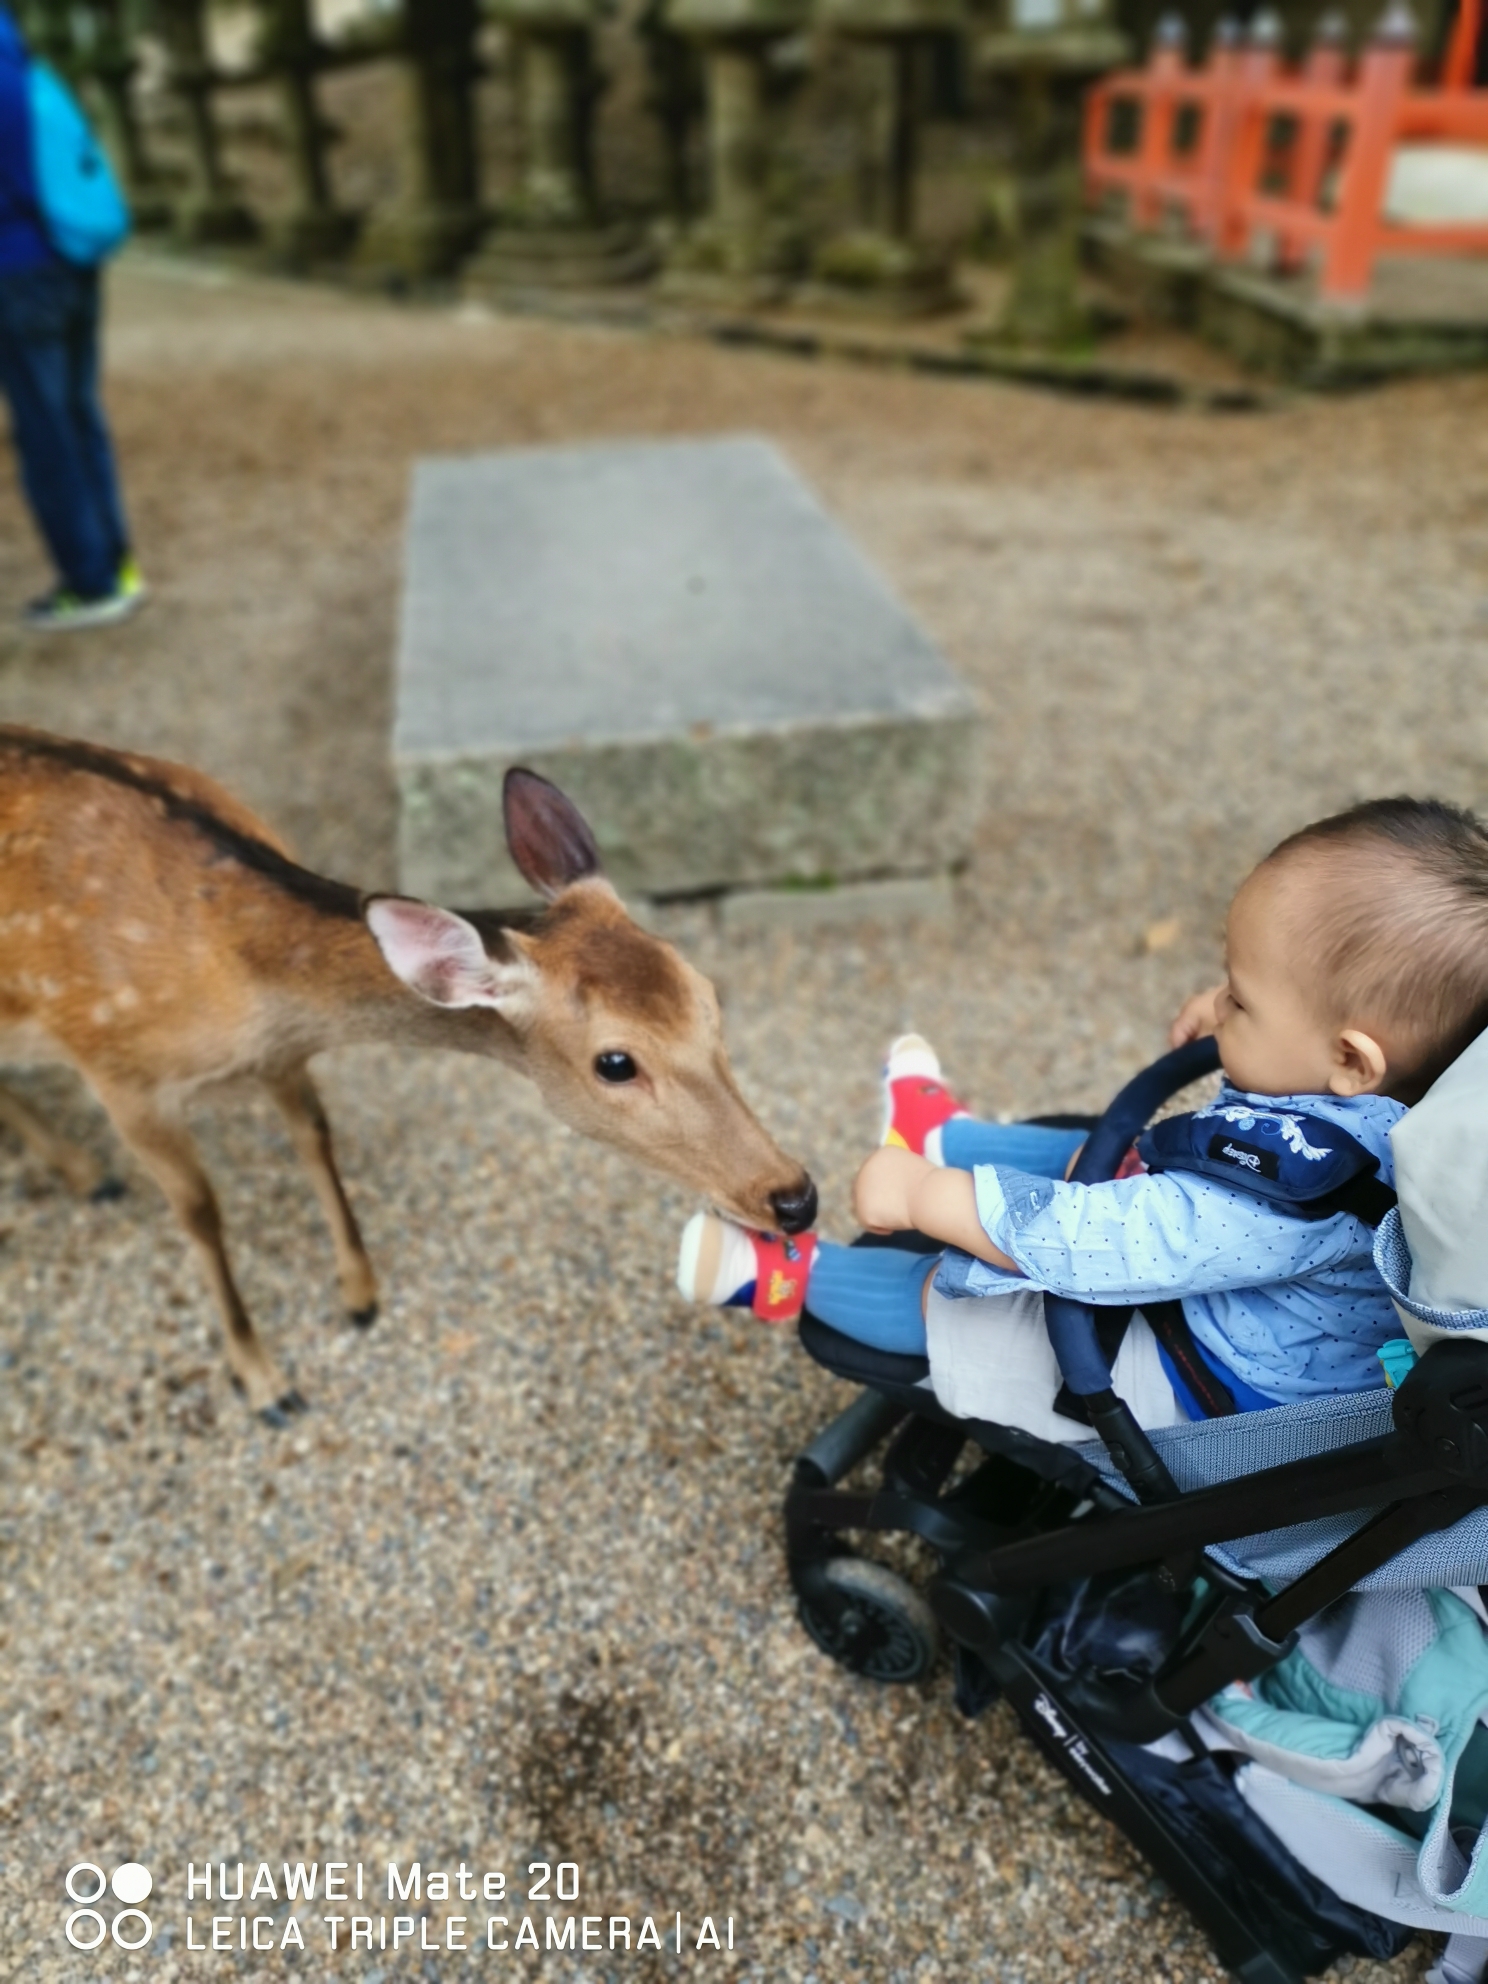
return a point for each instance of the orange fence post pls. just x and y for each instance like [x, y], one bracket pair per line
[1462, 49]
[1257, 68]
[1222, 73]
[1165, 69]
[1324, 70]
[1384, 77]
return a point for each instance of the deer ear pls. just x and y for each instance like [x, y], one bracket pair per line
[548, 836]
[441, 957]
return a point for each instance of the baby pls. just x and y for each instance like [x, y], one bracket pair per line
[1356, 970]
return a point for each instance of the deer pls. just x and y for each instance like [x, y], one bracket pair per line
[160, 939]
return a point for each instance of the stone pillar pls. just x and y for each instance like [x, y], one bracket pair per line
[210, 211]
[879, 265]
[740, 251]
[106, 61]
[553, 234]
[675, 99]
[1044, 305]
[559, 178]
[738, 150]
[438, 219]
[47, 26]
[1050, 55]
[315, 229]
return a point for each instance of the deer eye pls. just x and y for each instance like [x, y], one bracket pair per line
[614, 1067]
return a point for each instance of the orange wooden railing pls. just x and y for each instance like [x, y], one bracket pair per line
[1252, 162]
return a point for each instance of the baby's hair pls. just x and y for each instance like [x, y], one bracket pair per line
[1401, 940]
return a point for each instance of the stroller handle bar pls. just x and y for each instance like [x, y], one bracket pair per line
[1071, 1325]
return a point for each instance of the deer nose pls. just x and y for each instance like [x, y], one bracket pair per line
[796, 1208]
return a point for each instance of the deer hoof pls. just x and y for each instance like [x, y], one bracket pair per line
[364, 1318]
[279, 1414]
[107, 1190]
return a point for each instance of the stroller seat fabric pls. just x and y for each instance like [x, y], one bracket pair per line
[1207, 1451]
[991, 1358]
[1381, 1705]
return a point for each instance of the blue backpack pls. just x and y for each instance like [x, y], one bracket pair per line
[81, 206]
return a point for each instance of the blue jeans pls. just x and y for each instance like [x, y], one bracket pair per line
[875, 1294]
[49, 372]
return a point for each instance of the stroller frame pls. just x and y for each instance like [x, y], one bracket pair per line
[1032, 1517]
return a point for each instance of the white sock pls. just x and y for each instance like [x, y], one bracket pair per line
[912, 1054]
[716, 1262]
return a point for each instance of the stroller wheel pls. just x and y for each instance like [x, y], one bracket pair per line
[869, 1620]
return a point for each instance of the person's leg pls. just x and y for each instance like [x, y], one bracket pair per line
[94, 444]
[873, 1294]
[34, 372]
[1032, 1147]
[923, 1115]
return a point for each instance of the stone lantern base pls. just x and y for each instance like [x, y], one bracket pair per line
[212, 221]
[714, 265]
[517, 260]
[418, 244]
[869, 273]
[313, 235]
[151, 211]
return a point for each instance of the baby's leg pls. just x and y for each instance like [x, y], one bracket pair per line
[1032, 1147]
[924, 1116]
[874, 1294]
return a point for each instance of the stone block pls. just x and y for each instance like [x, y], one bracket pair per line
[680, 636]
[898, 900]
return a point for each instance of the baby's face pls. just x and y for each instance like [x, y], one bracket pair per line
[1272, 1037]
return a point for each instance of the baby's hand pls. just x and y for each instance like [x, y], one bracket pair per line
[883, 1188]
[1197, 1018]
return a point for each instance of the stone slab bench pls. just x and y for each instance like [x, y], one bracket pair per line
[680, 636]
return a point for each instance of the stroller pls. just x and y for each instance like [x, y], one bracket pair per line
[1110, 1590]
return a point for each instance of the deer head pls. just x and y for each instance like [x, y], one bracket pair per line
[621, 1035]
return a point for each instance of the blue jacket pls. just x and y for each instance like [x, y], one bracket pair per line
[23, 243]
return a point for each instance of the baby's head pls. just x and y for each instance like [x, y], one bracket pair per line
[1357, 954]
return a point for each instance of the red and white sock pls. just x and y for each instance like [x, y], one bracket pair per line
[917, 1103]
[733, 1268]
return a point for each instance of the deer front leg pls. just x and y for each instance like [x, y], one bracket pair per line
[310, 1132]
[69, 1160]
[165, 1148]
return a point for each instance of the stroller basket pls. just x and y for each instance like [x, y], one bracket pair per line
[1109, 1589]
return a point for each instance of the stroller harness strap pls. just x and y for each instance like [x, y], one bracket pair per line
[1169, 1325]
[1301, 1164]
[1175, 1339]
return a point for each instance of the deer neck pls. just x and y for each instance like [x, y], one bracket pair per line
[351, 998]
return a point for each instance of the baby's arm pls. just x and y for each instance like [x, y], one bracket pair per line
[898, 1192]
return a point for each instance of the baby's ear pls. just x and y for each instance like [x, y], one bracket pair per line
[1360, 1064]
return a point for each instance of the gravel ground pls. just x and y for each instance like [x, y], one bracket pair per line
[513, 1590]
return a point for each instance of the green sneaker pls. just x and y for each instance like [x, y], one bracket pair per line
[131, 580]
[62, 611]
